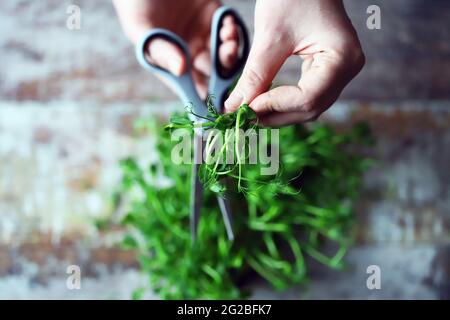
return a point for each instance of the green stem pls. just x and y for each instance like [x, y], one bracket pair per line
[209, 145]
[227, 139]
[236, 145]
[204, 124]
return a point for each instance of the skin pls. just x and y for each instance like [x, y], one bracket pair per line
[318, 31]
[191, 20]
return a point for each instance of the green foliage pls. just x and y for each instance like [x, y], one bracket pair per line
[277, 224]
[230, 129]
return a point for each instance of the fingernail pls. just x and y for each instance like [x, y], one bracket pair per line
[233, 101]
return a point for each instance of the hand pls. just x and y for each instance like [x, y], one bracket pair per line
[191, 20]
[318, 31]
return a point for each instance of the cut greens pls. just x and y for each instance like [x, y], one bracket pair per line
[229, 145]
[278, 229]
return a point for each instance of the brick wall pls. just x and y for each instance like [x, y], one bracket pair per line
[67, 103]
[43, 60]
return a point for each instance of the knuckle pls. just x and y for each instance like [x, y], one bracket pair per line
[309, 106]
[271, 102]
[354, 55]
[252, 78]
[313, 117]
[360, 60]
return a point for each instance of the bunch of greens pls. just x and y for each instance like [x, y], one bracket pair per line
[230, 128]
[277, 230]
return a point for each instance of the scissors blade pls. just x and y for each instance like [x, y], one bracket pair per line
[196, 201]
[224, 205]
[196, 185]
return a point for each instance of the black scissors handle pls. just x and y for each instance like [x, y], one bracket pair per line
[183, 84]
[221, 79]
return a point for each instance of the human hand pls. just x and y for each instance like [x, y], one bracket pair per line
[191, 20]
[319, 32]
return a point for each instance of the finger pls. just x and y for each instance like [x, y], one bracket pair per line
[202, 62]
[278, 119]
[167, 55]
[228, 20]
[200, 82]
[264, 61]
[133, 19]
[321, 83]
[229, 45]
[228, 52]
[229, 30]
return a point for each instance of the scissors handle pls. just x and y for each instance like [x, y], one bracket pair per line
[183, 85]
[221, 80]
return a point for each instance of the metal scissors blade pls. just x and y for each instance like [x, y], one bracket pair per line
[219, 85]
[196, 190]
[197, 194]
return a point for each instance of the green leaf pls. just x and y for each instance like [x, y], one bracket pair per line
[270, 214]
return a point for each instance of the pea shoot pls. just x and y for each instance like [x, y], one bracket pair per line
[278, 229]
[230, 129]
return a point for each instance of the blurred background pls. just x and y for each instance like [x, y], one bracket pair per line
[68, 99]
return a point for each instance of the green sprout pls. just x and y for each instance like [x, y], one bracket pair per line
[230, 128]
[280, 223]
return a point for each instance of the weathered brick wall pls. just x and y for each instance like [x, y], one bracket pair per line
[409, 58]
[68, 101]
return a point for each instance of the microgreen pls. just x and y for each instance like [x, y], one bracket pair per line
[277, 228]
[229, 128]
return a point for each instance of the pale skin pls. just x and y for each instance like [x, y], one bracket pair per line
[318, 31]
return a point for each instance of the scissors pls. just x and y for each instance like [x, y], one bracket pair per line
[219, 86]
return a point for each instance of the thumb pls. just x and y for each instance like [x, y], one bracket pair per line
[264, 61]
[167, 55]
